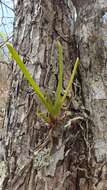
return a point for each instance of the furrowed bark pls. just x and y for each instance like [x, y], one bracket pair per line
[78, 153]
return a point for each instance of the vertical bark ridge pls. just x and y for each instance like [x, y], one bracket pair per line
[90, 32]
[37, 25]
[71, 165]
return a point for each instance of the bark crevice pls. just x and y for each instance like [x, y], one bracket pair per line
[73, 162]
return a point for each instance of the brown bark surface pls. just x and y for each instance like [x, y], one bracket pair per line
[75, 158]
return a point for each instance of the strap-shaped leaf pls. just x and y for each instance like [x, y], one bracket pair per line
[57, 105]
[3, 36]
[43, 116]
[71, 80]
[28, 76]
[53, 110]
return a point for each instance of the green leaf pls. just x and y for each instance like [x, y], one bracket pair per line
[71, 80]
[57, 105]
[43, 116]
[28, 76]
[3, 36]
[1, 54]
[53, 109]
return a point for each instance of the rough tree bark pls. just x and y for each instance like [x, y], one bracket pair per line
[77, 159]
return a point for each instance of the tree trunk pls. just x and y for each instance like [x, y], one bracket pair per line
[73, 157]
